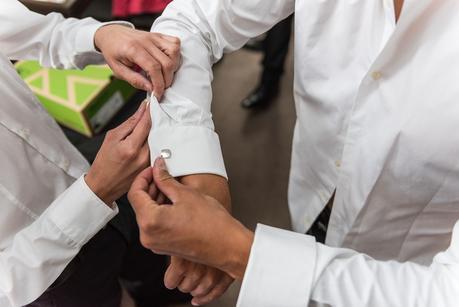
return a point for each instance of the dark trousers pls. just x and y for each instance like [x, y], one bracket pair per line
[92, 278]
[275, 48]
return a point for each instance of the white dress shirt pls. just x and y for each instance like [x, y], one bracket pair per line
[377, 113]
[47, 211]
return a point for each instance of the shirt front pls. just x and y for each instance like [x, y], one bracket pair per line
[48, 211]
[376, 113]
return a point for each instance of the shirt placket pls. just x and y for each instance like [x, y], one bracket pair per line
[345, 208]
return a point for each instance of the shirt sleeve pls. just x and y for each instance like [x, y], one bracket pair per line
[182, 123]
[39, 253]
[52, 39]
[287, 269]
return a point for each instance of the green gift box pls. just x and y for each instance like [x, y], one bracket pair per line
[82, 100]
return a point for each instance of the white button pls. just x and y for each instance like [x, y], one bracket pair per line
[376, 75]
[338, 163]
[166, 153]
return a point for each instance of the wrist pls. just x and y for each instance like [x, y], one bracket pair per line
[99, 189]
[237, 257]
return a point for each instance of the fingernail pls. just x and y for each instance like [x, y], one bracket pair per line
[161, 164]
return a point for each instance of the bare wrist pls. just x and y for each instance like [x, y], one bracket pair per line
[98, 189]
[238, 255]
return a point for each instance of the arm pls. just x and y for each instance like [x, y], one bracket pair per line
[182, 122]
[289, 267]
[52, 39]
[39, 253]
[72, 43]
[279, 267]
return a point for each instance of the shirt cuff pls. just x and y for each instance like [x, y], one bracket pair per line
[280, 269]
[86, 52]
[79, 213]
[188, 150]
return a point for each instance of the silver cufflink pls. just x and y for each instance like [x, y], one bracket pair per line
[166, 153]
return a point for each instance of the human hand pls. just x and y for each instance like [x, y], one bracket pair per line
[126, 49]
[204, 283]
[123, 154]
[195, 227]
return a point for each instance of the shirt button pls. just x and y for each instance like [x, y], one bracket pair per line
[166, 153]
[376, 75]
[338, 163]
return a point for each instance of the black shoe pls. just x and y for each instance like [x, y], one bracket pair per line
[261, 96]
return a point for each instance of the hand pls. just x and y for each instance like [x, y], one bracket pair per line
[195, 227]
[124, 153]
[204, 283]
[126, 49]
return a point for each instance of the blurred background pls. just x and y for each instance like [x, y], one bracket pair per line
[253, 113]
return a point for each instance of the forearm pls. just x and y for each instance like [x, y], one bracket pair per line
[52, 39]
[182, 122]
[211, 185]
[289, 267]
[347, 278]
[39, 253]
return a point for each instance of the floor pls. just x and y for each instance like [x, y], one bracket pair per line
[256, 146]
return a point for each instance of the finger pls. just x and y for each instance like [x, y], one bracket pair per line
[172, 39]
[162, 199]
[165, 182]
[168, 66]
[170, 46]
[216, 292]
[207, 283]
[192, 279]
[153, 192]
[126, 128]
[135, 78]
[139, 135]
[174, 274]
[153, 68]
[139, 192]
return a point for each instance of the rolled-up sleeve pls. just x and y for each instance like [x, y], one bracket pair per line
[182, 122]
[40, 252]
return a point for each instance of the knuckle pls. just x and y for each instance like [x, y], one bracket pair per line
[110, 134]
[169, 65]
[155, 66]
[175, 40]
[128, 153]
[146, 241]
[131, 48]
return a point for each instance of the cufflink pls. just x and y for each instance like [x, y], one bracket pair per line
[166, 153]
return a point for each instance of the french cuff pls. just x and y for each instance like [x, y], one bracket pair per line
[79, 213]
[86, 52]
[280, 269]
[188, 150]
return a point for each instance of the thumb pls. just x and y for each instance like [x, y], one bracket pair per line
[165, 182]
[139, 193]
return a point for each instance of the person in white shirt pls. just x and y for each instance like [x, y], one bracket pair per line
[375, 93]
[279, 267]
[52, 203]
